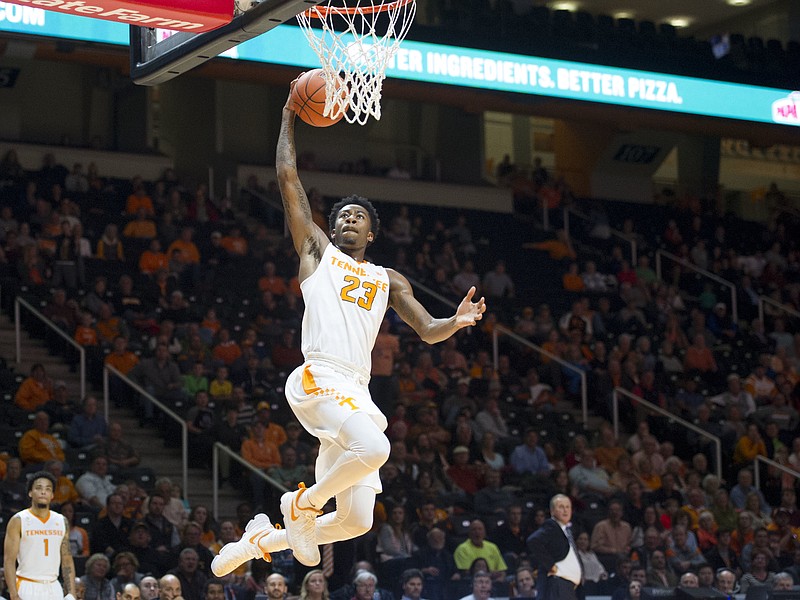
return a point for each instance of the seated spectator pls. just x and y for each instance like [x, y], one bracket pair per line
[126, 573]
[200, 422]
[110, 533]
[759, 573]
[109, 246]
[699, 357]
[466, 477]
[481, 587]
[528, 459]
[290, 472]
[477, 546]
[658, 574]
[119, 453]
[523, 585]
[35, 390]
[436, 563]
[590, 480]
[78, 537]
[706, 531]
[221, 388]
[61, 409]
[142, 227]
[262, 454]
[96, 586]
[150, 560]
[153, 259]
[164, 535]
[64, 491]
[37, 445]
[572, 281]
[782, 582]
[744, 485]
[735, 395]
[138, 199]
[88, 429]
[611, 538]
[160, 376]
[192, 538]
[593, 569]
[14, 489]
[683, 553]
[95, 485]
[192, 579]
[227, 350]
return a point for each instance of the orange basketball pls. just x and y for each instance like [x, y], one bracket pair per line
[308, 97]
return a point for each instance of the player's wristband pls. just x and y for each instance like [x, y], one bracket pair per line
[69, 597]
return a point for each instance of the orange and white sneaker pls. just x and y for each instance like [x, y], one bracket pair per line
[300, 523]
[234, 554]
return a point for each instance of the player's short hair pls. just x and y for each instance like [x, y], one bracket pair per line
[41, 475]
[375, 222]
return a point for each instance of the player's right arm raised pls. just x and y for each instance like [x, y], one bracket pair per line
[309, 240]
[10, 552]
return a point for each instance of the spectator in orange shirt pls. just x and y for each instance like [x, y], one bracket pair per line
[185, 251]
[35, 391]
[37, 445]
[226, 350]
[271, 282]
[153, 259]
[141, 227]
[189, 253]
[85, 333]
[123, 360]
[572, 280]
[262, 454]
[109, 326]
[235, 243]
[139, 199]
[699, 357]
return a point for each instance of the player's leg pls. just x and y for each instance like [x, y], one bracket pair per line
[352, 517]
[359, 450]
[362, 449]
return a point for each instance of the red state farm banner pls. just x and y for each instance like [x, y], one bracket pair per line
[177, 15]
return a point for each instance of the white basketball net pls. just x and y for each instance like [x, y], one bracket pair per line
[356, 41]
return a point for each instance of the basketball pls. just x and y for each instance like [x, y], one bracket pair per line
[308, 97]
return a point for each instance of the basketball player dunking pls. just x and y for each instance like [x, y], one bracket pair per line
[346, 298]
[36, 545]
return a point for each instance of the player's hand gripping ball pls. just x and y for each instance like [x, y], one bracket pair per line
[308, 98]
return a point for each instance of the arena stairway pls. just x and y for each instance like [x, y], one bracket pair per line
[164, 461]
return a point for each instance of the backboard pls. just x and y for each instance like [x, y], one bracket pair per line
[158, 55]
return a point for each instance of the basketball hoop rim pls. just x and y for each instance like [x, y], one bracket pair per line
[322, 12]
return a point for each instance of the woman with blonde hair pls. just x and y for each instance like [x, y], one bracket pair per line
[314, 586]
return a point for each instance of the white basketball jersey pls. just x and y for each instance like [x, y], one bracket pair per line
[346, 301]
[39, 555]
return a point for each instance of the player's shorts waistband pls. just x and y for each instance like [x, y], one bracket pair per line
[340, 366]
[21, 578]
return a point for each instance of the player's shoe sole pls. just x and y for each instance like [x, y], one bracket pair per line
[300, 526]
[235, 554]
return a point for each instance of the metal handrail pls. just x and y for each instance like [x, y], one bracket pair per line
[762, 300]
[167, 411]
[615, 232]
[500, 329]
[665, 413]
[703, 272]
[771, 463]
[21, 302]
[215, 468]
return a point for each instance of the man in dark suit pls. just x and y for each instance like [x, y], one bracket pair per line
[552, 548]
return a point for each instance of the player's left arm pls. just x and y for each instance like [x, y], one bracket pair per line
[67, 564]
[429, 329]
